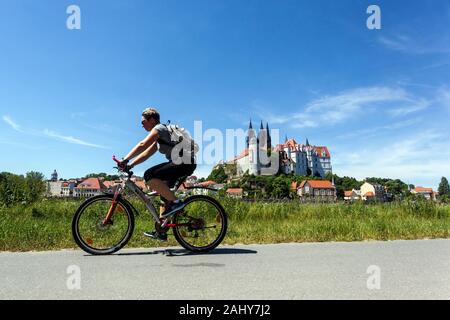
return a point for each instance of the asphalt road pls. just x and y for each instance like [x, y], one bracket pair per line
[364, 270]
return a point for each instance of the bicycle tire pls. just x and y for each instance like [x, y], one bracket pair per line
[85, 245]
[177, 231]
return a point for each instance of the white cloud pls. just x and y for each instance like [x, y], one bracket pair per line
[350, 104]
[408, 45]
[48, 133]
[69, 139]
[421, 159]
[379, 130]
[395, 43]
[443, 97]
[13, 125]
[414, 106]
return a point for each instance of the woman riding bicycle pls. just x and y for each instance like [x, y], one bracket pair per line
[161, 177]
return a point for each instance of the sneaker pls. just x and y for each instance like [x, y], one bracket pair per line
[173, 208]
[156, 235]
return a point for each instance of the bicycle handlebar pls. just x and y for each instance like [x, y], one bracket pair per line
[122, 169]
[115, 159]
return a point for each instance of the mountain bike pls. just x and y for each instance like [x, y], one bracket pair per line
[104, 224]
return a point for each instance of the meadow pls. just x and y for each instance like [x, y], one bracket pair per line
[46, 225]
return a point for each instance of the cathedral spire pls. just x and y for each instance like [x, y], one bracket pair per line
[262, 127]
[250, 126]
[307, 142]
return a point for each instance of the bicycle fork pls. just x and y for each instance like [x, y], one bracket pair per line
[111, 210]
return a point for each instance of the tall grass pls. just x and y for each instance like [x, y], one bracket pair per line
[47, 224]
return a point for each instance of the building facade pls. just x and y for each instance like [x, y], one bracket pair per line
[317, 190]
[295, 158]
[373, 192]
[427, 193]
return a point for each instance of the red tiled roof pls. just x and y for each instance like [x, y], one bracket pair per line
[294, 185]
[242, 155]
[320, 184]
[109, 184]
[234, 190]
[207, 183]
[369, 194]
[91, 183]
[348, 193]
[422, 189]
[321, 150]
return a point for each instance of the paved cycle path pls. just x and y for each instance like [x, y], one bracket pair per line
[359, 270]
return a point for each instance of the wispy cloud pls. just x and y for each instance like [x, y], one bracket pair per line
[406, 44]
[11, 123]
[379, 130]
[443, 97]
[415, 106]
[333, 109]
[48, 134]
[411, 158]
[70, 139]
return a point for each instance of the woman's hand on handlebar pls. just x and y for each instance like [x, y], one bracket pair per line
[123, 164]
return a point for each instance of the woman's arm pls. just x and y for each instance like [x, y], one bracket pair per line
[145, 155]
[143, 145]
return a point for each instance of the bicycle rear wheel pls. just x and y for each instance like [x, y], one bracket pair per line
[201, 225]
[92, 235]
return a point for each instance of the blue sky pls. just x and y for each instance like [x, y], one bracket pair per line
[378, 99]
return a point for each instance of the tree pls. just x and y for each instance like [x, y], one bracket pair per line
[444, 188]
[35, 186]
[12, 189]
[218, 175]
[397, 187]
[280, 188]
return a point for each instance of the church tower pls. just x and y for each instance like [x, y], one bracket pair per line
[250, 130]
[54, 176]
[269, 139]
[253, 153]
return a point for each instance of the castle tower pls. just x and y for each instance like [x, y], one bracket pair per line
[54, 177]
[253, 155]
[269, 139]
[250, 129]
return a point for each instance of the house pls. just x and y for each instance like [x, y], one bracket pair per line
[235, 192]
[206, 184]
[373, 192]
[110, 185]
[89, 187]
[67, 188]
[317, 190]
[428, 193]
[54, 188]
[352, 195]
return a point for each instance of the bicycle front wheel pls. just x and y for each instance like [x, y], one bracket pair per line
[201, 225]
[95, 237]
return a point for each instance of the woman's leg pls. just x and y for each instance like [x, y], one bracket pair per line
[162, 188]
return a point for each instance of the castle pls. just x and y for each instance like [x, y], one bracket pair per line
[289, 157]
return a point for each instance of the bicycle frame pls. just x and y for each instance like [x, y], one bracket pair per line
[149, 204]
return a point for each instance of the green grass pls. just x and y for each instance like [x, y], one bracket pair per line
[47, 224]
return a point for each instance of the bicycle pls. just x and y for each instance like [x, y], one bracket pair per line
[104, 224]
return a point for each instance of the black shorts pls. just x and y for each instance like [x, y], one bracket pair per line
[169, 172]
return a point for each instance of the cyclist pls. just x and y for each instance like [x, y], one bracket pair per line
[161, 177]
